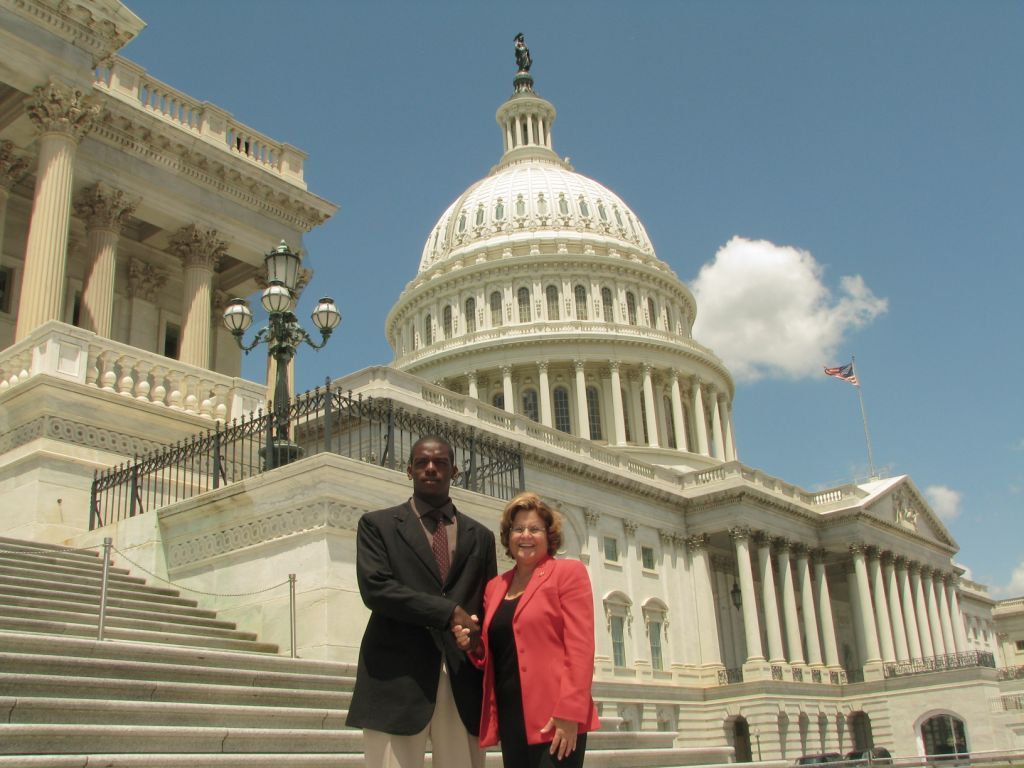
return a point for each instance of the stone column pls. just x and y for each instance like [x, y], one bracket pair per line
[200, 253]
[12, 170]
[863, 605]
[672, 653]
[803, 574]
[895, 609]
[725, 409]
[471, 381]
[582, 415]
[678, 417]
[881, 607]
[649, 407]
[944, 618]
[710, 648]
[507, 393]
[544, 385]
[62, 117]
[716, 425]
[934, 622]
[793, 643]
[959, 632]
[770, 601]
[618, 419]
[732, 635]
[700, 422]
[105, 211]
[909, 617]
[828, 627]
[921, 609]
[751, 625]
[603, 644]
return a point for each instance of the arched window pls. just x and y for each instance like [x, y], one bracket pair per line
[584, 208]
[542, 205]
[520, 206]
[630, 308]
[470, 315]
[944, 735]
[551, 292]
[462, 222]
[530, 404]
[523, 296]
[652, 314]
[428, 330]
[606, 305]
[580, 294]
[496, 309]
[563, 205]
[602, 211]
[594, 413]
[499, 210]
[446, 319]
[560, 395]
[480, 215]
[618, 612]
[670, 418]
[655, 612]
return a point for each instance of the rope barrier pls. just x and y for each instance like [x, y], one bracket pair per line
[199, 591]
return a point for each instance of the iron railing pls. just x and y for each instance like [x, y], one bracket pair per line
[324, 420]
[1010, 673]
[940, 663]
[730, 675]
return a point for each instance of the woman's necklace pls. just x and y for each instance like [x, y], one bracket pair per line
[518, 586]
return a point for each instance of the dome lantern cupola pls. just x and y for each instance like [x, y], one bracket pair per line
[526, 119]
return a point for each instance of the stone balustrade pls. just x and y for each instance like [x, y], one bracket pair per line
[74, 354]
[129, 83]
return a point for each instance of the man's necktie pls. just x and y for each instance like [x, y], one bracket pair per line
[439, 543]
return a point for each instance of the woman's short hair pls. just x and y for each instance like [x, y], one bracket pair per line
[531, 502]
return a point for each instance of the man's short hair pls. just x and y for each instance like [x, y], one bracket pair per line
[432, 439]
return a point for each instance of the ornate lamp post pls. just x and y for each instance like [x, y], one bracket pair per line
[282, 335]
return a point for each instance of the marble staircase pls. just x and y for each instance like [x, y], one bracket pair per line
[172, 686]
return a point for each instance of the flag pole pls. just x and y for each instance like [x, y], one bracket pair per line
[864, 419]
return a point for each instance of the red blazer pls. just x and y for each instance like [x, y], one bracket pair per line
[554, 631]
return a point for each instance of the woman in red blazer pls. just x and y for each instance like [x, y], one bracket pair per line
[537, 648]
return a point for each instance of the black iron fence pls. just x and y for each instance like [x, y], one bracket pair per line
[324, 420]
[941, 663]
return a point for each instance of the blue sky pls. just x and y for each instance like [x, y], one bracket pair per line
[829, 179]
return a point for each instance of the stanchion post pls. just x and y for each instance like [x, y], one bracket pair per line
[107, 543]
[291, 605]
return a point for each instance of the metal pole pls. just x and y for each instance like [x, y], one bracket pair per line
[93, 501]
[328, 415]
[291, 603]
[864, 419]
[107, 543]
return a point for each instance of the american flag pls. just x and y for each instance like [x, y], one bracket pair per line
[844, 372]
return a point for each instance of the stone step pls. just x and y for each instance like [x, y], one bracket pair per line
[92, 597]
[19, 685]
[151, 613]
[78, 649]
[25, 545]
[168, 636]
[157, 622]
[56, 561]
[154, 595]
[58, 577]
[26, 709]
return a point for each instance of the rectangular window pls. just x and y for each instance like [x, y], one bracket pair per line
[611, 549]
[654, 628]
[618, 641]
[1020, 645]
[172, 338]
[6, 286]
[647, 557]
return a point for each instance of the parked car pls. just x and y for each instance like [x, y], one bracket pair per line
[873, 756]
[824, 757]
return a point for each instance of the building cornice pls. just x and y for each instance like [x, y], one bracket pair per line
[99, 27]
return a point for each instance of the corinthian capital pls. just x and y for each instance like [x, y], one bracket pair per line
[144, 280]
[56, 108]
[104, 208]
[197, 248]
[12, 167]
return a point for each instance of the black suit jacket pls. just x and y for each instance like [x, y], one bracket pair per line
[400, 656]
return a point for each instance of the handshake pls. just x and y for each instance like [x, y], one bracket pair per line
[466, 629]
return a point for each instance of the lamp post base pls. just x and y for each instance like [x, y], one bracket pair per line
[281, 452]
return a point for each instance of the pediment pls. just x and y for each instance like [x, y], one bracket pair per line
[900, 504]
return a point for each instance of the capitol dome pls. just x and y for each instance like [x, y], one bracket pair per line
[539, 293]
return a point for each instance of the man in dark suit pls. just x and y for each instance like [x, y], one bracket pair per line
[421, 567]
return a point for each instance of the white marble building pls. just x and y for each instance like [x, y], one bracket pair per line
[754, 618]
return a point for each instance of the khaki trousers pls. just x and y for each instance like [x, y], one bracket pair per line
[452, 746]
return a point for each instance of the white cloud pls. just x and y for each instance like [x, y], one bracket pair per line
[1016, 586]
[764, 309]
[944, 501]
